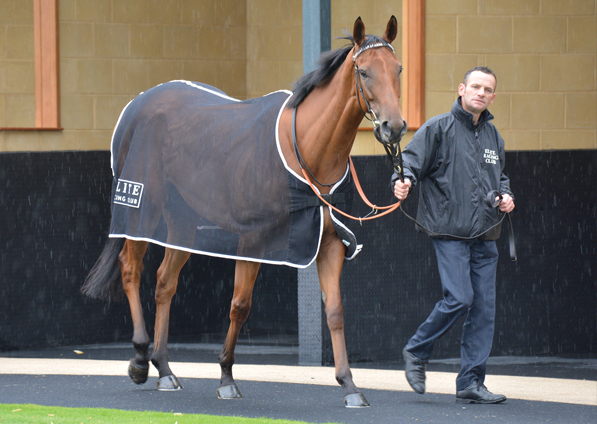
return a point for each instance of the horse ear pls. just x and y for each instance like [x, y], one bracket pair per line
[391, 30]
[358, 33]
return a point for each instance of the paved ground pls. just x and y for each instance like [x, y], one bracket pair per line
[539, 390]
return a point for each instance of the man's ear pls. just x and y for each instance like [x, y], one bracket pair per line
[461, 88]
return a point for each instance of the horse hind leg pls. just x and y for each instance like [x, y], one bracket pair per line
[244, 281]
[167, 282]
[130, 261]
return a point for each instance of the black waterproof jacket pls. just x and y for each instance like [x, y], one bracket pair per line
[456, 164]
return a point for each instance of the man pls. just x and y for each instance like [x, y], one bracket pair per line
[457, 158]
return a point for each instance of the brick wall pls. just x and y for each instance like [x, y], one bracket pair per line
[17, 79]
[110, 51]
[544, 52]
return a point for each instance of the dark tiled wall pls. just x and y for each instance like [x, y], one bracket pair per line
[55, 218]
[546, 301]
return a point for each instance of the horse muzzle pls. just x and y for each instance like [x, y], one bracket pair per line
[385, 134]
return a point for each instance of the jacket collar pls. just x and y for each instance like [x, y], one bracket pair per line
[467, 118]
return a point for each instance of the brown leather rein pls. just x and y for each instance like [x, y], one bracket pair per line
[374, 208]
[305, 170]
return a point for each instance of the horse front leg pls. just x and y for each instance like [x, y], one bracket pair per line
[329, 267]
[130, 261]
[168, 274]
[244, 281]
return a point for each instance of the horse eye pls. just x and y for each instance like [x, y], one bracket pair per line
[363, 73]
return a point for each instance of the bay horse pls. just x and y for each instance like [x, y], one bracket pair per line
[349, 83]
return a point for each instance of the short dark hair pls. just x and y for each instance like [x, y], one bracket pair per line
[483, 69]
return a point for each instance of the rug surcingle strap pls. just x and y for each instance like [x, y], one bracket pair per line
[332, 199]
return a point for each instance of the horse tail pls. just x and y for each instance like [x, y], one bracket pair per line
[105, 280]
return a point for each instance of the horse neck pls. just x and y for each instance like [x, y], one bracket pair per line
[330, 120]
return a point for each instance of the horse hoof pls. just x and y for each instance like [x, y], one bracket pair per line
[138, 374]
[169, 383]
[355, 400]
[229, 392]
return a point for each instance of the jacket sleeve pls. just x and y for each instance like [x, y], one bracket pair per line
[419, 154]
[504, 180]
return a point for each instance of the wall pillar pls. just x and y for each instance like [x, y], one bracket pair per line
[317, 38]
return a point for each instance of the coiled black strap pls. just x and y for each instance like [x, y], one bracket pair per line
[490, 200]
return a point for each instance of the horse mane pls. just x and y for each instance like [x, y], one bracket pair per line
[327, 65]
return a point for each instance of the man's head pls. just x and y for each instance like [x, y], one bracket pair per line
[477, 90]
[483, 69]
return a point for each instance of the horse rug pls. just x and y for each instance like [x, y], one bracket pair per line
[197, 170]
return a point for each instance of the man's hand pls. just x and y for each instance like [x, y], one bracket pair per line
[506, 205]
[401, 189]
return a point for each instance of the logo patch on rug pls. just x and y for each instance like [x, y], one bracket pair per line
[128, 193]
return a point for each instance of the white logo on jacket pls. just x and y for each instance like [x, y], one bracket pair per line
[491, 156]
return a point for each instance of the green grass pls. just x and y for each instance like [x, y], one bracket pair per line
[35, 414]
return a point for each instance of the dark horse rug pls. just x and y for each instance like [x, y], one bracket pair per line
[197, 170]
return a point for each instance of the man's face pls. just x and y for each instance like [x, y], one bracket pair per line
[478, 93]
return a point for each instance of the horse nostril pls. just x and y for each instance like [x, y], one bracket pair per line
[386, 129]
[393, 130]
[404, 128]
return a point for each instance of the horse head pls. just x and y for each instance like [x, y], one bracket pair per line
[377, 81]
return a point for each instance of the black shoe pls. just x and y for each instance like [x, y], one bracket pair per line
[478, 393]
[415, 371]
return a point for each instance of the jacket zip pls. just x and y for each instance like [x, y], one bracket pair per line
[480, 196]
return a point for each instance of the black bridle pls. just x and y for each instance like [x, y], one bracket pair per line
[357, 79]
[392, 149]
